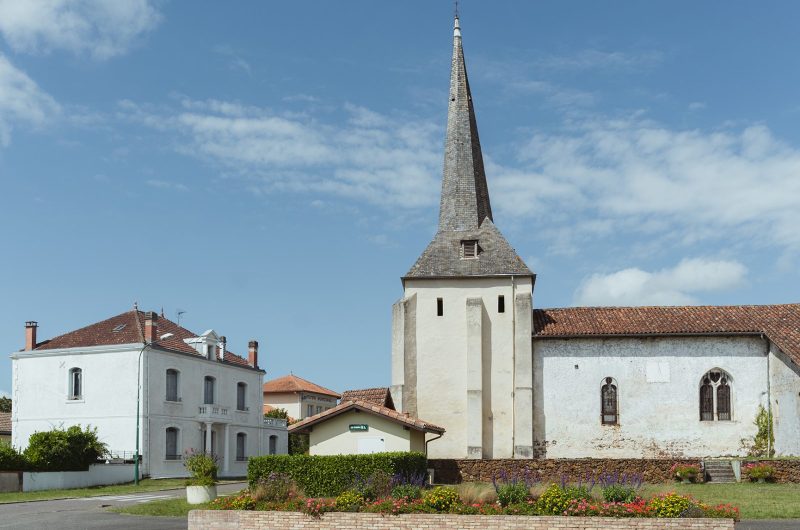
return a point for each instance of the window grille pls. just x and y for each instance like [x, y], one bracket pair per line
[724, 400]
[608, 397]
[715, 396]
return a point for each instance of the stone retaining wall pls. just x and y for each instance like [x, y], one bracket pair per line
[242, 520]
[785, 470]
[455, 471]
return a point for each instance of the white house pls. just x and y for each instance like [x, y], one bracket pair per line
[470, 352]
[195, 394]
[299, 397]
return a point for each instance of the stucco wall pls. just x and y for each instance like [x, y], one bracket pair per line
[333, 437]
[296, 404]
[785, 395]
[96, 475]
[658, 386]
[440, 351]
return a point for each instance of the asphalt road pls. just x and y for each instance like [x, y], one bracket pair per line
[93, 512]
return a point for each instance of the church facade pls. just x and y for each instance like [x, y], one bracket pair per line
[470, 352]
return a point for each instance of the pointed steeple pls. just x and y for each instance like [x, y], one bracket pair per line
[465, 202]
[467, 244]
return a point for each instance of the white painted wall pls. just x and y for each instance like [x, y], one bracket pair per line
[333, 436]
[441, 362]
[656, 419]
[785, 396]
[296, 403]
[96, 475]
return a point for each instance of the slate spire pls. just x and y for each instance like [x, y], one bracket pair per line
[464, 203]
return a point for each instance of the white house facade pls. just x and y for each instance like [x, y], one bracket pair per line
[470, 352]
[194, 395]
[299, 397]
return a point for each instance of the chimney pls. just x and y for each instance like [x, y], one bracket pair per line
[30, 334]
[150, 327]
[223, 345]
[252, 354]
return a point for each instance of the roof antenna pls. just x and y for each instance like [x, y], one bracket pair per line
[162, 311]
[455, 10]
[178, 314]
[135, 306]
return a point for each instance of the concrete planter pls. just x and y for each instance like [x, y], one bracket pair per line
[200, 494]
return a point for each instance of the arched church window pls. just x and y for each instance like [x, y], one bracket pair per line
[715, 396]
[608, 402]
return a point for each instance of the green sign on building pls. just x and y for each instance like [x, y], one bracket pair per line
[356, 427]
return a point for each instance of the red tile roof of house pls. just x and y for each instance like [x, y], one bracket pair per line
[129, 328]
[292, 383]
[380, 396]
[370, 408]
[779, 323]
[5, 423]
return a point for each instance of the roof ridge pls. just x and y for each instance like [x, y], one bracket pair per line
[700, 306]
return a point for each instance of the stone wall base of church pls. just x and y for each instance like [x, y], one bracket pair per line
[244, 520]
[451, 471]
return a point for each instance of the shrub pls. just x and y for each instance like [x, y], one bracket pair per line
[240, 501]
[11, 459]
[349, 501]
[553, 501]
[758, 471]
[684, 471]
[316, 507]
[763, 444]
[441, 499]
[376, 486]
[202, 467]
[275, 487]
[476, 493]
[71, 449]
[328, 476]
[407, 492]
[512, 493]
[722, 511]
[619, 493]
[669, 505]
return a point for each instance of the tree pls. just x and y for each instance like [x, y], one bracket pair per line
[277, 413]
[5, 404]
[298, 443]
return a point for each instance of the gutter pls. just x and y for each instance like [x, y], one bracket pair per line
[650, 335]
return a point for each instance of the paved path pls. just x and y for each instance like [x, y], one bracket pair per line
[92, 512]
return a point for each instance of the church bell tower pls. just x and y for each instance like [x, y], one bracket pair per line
[461, 334]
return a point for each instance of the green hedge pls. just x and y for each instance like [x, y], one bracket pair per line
[328, 476]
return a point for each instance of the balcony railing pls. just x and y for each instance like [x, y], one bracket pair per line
[212, 412]
[275, 422]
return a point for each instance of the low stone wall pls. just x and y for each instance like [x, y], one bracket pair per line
[455, 471]
[10, 481]
[241, 520]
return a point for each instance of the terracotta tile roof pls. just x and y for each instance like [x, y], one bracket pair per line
[370, 408]
[380, 396]
[292, 383]
[128, 328]
[780, 323]
[5, 423]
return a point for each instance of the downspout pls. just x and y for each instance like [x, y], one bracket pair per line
[429, 441]
[769, 400]
[514, 361]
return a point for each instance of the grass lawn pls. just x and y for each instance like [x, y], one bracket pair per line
[119, 489]
[755, 501]
[160, 508]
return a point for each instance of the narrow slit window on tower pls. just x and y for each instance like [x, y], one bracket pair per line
[439, 307]
[470, 249]
[501, 304]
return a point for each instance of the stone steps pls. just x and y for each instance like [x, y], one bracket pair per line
[718, 471]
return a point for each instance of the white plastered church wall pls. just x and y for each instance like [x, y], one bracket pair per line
[785, 401]
[658, 396]
[467, 353]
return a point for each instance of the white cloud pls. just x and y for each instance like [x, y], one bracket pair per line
[21, 100]
[100, 28]
[369, 157]
[167, 185]
[673, 286]
[639, 177]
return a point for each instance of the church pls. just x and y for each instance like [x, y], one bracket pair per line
[505, 380]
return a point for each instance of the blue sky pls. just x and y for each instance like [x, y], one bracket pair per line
[273, 168]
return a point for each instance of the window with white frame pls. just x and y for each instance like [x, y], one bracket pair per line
[208, 390]
[309, 410]
[241, 393]
[241, 444]
[172, 452]
[172, 385]
[75, 383]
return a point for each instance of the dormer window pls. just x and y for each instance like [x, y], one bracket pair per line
[470, 249]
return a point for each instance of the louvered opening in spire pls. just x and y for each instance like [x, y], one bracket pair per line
[465, 196]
